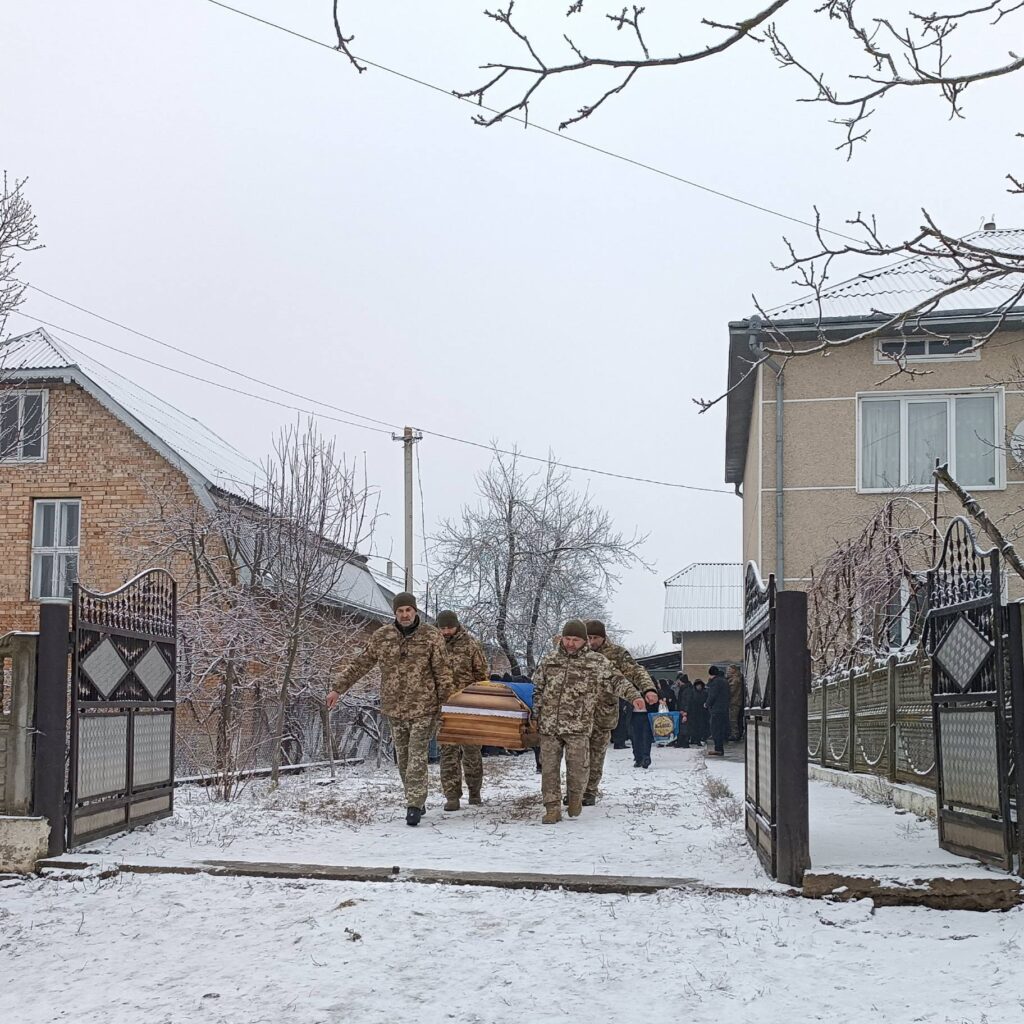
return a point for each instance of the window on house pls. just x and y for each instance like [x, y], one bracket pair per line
[23, 426]
[55, 536]
[927, 348]
[901, 437]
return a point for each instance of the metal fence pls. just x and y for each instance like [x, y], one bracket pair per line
[876, 721]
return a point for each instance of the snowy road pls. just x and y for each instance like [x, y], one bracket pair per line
[173, 949]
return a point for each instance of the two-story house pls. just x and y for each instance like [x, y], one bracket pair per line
[815, 442]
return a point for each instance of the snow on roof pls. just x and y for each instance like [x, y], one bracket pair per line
[37, 355]
[902, 285]
[706, 597]
[205, 457]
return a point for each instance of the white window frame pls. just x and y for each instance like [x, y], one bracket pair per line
[44, 419]
[881, 359]
[56, 550]
[924, 395]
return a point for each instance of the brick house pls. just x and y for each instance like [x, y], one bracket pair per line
[86, 458]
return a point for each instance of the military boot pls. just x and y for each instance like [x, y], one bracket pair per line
[575, 806]
[413, 815]
[474, 796]
[452, 803]
[589, 801]
[552, 814]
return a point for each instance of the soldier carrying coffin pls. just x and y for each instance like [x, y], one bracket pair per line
[416, 679]
[468, 666]
[568, 685]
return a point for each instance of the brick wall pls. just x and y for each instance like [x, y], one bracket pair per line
[91, 456]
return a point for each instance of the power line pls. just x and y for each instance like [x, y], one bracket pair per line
[315, 401]
[537, 127]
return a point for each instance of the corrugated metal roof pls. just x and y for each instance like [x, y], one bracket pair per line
[900, 286]
[706, 597]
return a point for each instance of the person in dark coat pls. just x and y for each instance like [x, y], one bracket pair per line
[684, 698]
[717, 703]
[620, 734]
[640, 732]
[698, 714]
[667, 693]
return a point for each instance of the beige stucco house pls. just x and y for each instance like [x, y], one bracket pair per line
[815, 443]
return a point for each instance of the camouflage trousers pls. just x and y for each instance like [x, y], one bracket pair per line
[577, 766]
[412, 739]
[455, 760]
[599, 740]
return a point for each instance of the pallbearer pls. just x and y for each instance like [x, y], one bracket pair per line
[415, 680]
[468, 666]
[567, 686]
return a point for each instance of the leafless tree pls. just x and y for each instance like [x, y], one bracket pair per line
[533, 552]
[21, 417]
[864, 595]
[894, 49]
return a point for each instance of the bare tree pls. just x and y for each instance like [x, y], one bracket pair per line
[314, 511]
[893, 51]
[533, 552]
[864, 599]
[21, 416]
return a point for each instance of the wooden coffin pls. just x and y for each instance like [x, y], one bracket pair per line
[487, 714]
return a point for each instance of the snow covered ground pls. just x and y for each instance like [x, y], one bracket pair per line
[673, 820]
[166, 949]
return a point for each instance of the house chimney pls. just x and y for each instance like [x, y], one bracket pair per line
[391, 569]
[990, 224]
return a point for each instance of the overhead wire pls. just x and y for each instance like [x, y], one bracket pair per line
[526, 123]
[515, 453]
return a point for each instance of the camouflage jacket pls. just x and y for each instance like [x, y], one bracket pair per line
[607, 714]
[567, 689]
[467, 659]
[415, 673]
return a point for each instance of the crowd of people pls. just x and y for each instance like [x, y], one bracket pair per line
[707, 711]
[577, 690]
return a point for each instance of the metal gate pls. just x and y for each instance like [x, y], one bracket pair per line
[776, 678]
[123, 689]
[968, 638]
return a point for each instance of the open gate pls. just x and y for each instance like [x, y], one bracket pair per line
[975, 645]
[777, 678]
[123, 689]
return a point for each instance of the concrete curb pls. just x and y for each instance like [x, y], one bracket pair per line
[901, 795]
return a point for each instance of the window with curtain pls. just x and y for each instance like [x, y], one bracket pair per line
[55, 537]
[902, 436]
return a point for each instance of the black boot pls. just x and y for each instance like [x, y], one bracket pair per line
[413, 815]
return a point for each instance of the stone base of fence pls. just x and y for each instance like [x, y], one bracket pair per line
[23, 843]
[915, 799]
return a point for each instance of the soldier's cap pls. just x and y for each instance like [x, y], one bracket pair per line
[404, 600]
[447, 620]
[575, 627]
[596, 628]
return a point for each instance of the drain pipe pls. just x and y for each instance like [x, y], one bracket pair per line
[757, 348]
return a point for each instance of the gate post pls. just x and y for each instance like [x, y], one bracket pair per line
[1016, 640]
[51, 720]
[892, 717]
[792, 681]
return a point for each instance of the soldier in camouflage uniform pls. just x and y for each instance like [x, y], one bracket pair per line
[416, 679]
[607, 714]
[568, 685]
[468, 666]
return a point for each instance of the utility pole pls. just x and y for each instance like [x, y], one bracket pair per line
[408, 437]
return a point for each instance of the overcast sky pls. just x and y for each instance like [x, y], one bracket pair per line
[356, 238]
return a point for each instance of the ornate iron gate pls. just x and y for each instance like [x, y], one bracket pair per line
[967, 636]
[777, 677]
[123, 688]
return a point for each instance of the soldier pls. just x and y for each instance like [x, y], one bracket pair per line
[608, 710]
[468, 666]
[567, 687]
[416, 679]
